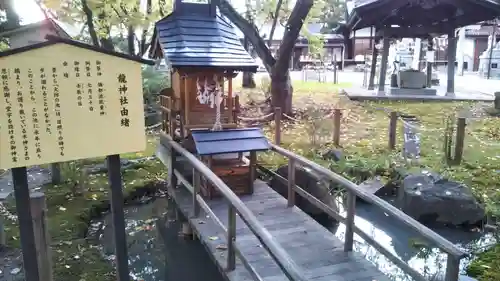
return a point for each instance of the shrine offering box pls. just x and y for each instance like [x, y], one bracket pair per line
[222, 151]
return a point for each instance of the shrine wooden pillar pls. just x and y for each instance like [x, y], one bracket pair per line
[230, 97]
[430, 48]
[383, 65]
[373, 67]
[452, 54]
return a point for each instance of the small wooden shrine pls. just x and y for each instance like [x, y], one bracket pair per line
[203, 55]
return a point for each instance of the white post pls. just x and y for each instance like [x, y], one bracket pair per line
[416, 54]
[461, 51]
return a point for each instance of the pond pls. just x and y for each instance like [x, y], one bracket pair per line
[156, 251]
[406, 244]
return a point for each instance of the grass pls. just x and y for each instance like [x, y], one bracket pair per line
[75, 258]
[486, 267]
[364, 141]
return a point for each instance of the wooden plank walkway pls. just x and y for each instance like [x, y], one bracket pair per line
[316, 250]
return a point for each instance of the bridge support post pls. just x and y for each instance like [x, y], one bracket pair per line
[231, 238]
[196, 191]
[291, 182]
[452, 268]
[349, 223]
[172, 178]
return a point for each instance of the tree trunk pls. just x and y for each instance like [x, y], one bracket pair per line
[248, 80]
[11, 15]
[131, 40]
[90, 23]
[143, 45]
[281, 86]
[281, 90]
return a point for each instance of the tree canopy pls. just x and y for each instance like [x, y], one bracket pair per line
[132, 19]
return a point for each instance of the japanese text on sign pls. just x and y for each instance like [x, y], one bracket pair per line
[58, 108]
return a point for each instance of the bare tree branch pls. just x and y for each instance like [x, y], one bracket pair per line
[143, 46]
[292, 31]
[275, 21]
[249, 30]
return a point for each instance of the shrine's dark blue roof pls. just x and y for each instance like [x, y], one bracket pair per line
[209, 142]
[199, 40]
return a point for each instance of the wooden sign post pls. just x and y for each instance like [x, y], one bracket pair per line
[25, 220]
[64, 100]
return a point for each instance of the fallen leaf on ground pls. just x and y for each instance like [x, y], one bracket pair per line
[221, 247]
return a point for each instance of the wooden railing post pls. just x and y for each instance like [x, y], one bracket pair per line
[196, 191]
[459, 142]
[349, 222]
[231, 238]
[452, 268]
[236, 108]
[291, 182]
[253, 168]
[335, 80]
[2, 233]
[171, 123]
[393, 122]
[42, 240]
[337, 115]
[172, 178]
[277, 124]
[3, 197]
[55, 171]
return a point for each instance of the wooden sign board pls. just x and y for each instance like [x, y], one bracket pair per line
[62, 102]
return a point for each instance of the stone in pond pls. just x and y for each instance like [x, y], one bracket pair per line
[333, 154]
[430, 198]
[312, 183]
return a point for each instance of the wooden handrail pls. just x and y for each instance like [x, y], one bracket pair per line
[454, 253]
[289, 267]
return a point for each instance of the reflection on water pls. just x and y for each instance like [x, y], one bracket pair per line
[407, 244]
[156, 252]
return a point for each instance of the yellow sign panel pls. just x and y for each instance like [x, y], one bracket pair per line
[61, 102]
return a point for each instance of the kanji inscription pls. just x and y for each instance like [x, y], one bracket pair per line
[62, 103]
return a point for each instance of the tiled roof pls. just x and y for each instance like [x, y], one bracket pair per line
[210, 142]
[202, 40]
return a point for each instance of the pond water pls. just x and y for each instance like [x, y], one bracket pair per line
[158, 253]
[406, 244]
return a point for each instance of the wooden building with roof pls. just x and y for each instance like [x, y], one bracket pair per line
[418, 19]
[200, 46]
[204, 54]
[37, 32]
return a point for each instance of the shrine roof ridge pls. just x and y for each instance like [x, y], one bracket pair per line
[52, 40]
[194, 40]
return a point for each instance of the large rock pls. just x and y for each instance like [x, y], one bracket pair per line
[429, 198]
[314, 184]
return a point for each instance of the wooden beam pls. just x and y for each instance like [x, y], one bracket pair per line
[375, 15]
[415, 31]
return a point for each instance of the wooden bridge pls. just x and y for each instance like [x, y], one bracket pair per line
[264, 236]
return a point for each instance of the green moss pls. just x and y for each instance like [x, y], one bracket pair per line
[70, 212]
[487, 265]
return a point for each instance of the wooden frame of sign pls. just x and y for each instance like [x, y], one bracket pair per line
[65, 100]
